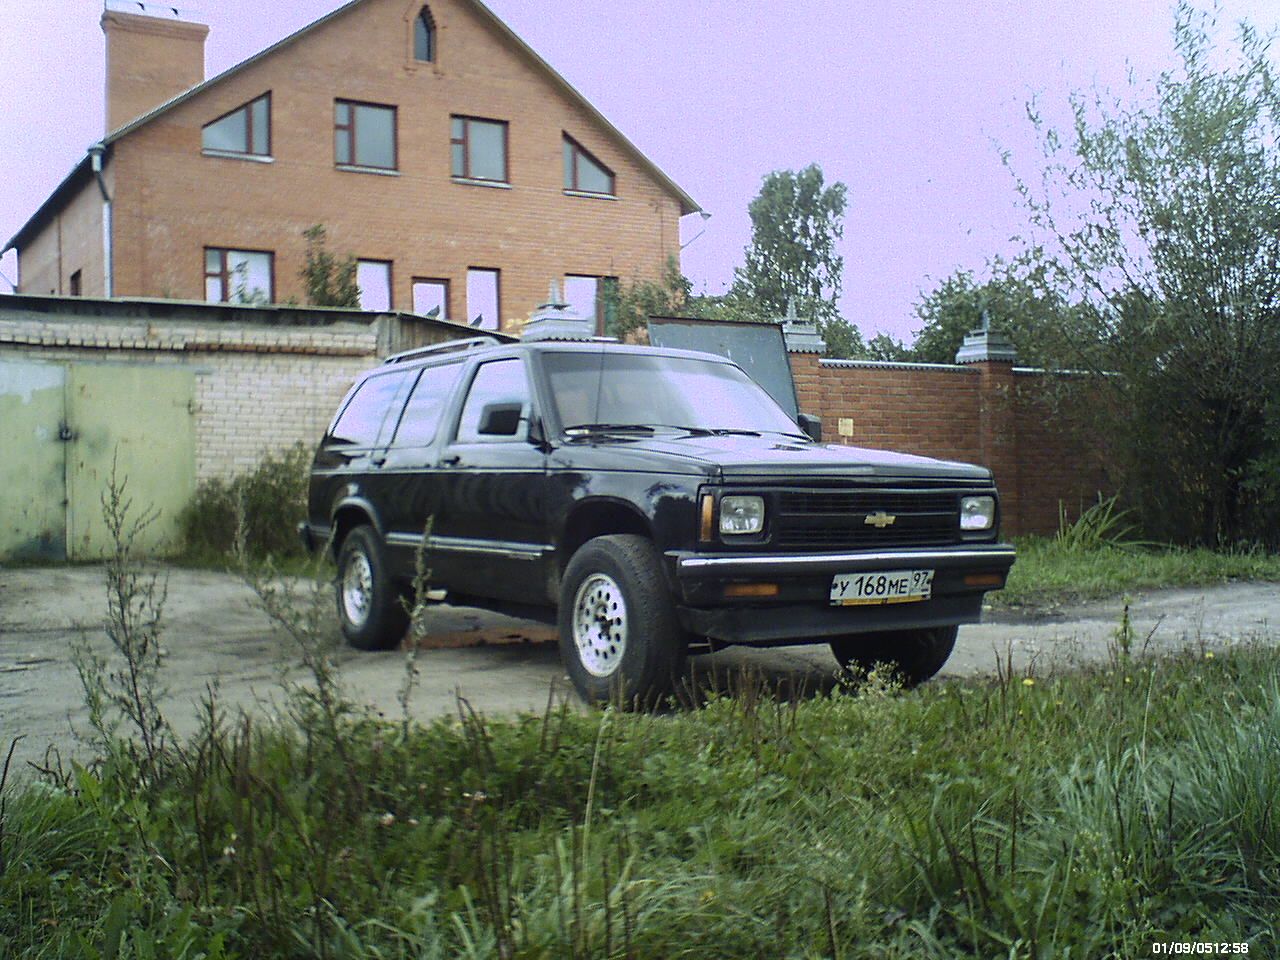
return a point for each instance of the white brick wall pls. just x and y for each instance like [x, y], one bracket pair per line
[258, 390]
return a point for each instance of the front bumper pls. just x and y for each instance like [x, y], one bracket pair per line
[802, 611]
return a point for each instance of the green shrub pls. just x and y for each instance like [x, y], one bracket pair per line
[272, 499]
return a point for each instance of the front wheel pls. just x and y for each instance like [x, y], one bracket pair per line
[369, 606]
[620, 638]
[914, 655]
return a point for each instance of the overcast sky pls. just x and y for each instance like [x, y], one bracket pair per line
[904, 101]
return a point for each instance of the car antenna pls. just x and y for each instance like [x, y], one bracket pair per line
[595, 412]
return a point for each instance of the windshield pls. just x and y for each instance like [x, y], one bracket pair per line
[635, 389]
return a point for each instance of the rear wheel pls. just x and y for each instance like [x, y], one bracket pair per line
[369, 606]
[915, 655]
[620, 638]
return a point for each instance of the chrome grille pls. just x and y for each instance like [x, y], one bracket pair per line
[824, 519]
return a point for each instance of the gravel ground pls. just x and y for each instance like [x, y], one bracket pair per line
[214, 633]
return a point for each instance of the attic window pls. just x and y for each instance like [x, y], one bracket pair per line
[424, 36]
[245, 131]
[583, 173]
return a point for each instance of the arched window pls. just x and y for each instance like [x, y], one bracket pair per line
[424, 36]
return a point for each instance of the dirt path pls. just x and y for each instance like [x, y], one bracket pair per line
[215, 634]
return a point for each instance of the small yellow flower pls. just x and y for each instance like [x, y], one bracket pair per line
[1128, 679]
[1208, 654]
[1028, 681]
[707, 896]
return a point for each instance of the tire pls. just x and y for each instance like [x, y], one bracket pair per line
[620, 639]
[369, 607]
[914, 655]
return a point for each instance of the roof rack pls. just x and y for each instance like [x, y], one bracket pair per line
[471, 343]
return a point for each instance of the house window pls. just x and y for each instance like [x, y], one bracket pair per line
[75, 284]
[364, 135]
[479, 149]
[424, 36]
[238, 276]
[483, 298]
[374, 279]
[583, 173]
[428, 295]
[594, 298]
[245, 131]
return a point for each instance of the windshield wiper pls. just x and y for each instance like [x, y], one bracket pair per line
[586, 429]
[715, 431]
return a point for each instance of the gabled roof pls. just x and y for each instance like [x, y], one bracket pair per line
[74, 179]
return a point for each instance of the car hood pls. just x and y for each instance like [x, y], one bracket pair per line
[772, 457]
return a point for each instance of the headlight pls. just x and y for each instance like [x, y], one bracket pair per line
[741, 515]
[977, 513]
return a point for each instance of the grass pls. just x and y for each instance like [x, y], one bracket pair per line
[1047, 573]
[1097, 556]
[1081, 815]
[1084, 814]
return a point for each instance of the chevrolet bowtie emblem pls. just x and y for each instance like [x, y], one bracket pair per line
[880, 520]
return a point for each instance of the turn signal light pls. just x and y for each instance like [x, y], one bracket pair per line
[707, 519]
[751, 590]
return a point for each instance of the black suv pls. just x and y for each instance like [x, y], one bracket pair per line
[656, 497]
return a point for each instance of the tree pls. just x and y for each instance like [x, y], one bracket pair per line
[796, 223]
[1163, 219]
[634, 302]
[1019, 300]
[329, 281]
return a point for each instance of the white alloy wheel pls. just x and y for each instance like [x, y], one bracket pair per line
[357, 588]
[600, 625]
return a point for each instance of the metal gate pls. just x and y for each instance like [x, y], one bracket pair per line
[68, 425]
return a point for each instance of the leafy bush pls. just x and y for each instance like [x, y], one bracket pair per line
[272, 498]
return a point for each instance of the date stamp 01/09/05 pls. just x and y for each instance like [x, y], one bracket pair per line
[1201, 948]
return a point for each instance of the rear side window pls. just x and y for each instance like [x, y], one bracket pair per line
[421, 419]
[361, 421]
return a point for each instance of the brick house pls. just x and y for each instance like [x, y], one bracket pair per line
[430, 141]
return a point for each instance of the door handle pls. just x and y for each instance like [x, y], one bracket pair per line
[450, 460]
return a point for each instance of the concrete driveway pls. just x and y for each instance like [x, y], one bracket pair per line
[215, 633]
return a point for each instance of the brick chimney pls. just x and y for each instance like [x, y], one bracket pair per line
[152, 56]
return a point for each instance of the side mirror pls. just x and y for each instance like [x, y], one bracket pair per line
[500, 419]
[811, 425]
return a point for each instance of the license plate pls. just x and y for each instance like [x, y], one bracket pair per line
[895, 586]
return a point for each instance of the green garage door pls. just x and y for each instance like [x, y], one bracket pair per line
[140, 418]
[33, 490]
[73, 423]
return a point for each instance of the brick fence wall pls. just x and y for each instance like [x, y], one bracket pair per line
[990, 413]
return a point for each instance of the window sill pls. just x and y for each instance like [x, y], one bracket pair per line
[355, 168]
[468, 182]
[233, 155]
[587, 195]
